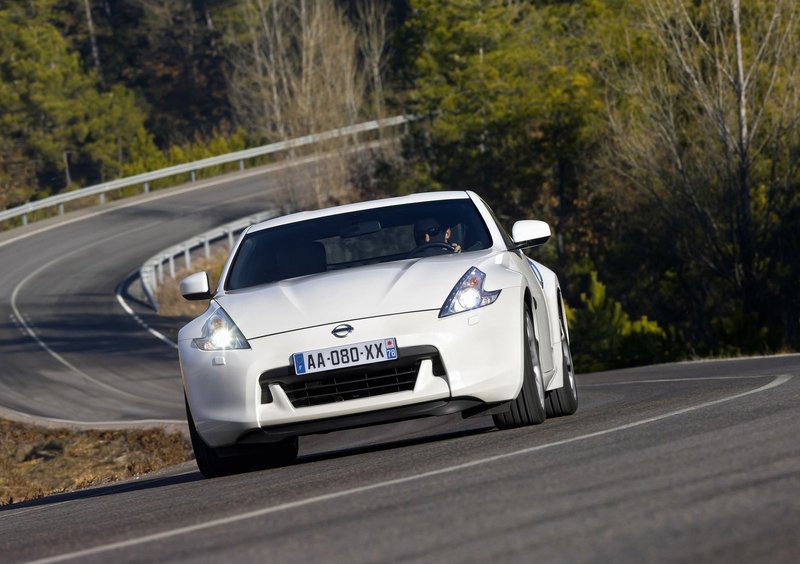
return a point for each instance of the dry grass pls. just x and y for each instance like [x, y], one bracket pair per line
[168, 295]
[35, 462]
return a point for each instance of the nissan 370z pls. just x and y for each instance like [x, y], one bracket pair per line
[370, 313]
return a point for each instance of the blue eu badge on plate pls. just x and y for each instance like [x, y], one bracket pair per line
[299, 364]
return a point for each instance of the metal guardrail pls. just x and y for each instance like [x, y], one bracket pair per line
[152, 272]
[147, 177]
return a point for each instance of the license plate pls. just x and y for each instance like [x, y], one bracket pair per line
[343, 356]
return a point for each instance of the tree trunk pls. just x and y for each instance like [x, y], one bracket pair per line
[93, 41]
[66, 168]
[745, 220]
[259, 64]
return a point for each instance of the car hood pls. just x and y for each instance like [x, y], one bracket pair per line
[353, 293]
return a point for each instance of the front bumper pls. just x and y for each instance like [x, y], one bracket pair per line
[479, 360]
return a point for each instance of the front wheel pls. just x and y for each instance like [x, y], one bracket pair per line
[564, 400]
[213, 465]
[529, 406]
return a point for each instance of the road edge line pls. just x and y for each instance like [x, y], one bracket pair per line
[133, 314]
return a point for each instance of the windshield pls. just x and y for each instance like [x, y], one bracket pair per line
[358, 238]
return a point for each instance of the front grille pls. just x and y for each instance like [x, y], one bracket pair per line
[351, 383]
[330, 388]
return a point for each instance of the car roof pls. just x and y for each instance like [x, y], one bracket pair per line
[336, 210]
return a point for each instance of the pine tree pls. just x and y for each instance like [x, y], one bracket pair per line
[51, 107]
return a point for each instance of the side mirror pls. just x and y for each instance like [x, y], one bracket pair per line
[530, 233]
[195, 287]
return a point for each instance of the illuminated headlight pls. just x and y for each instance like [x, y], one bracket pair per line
[468, 294]
[220, 333]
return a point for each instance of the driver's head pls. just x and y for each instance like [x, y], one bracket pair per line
[429, 230]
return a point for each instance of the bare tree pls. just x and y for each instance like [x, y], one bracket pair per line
[373, 18]
[298, 73]
[93, 41]
[706, 125]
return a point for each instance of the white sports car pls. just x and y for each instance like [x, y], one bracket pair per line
[369, 313]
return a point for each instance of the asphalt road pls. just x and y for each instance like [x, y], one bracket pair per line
[679, 463]
[685, 463]
[69, 351]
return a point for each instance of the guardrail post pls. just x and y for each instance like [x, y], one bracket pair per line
[102, 198]
[230, 239]
[187, 257]
[172, 266]
[60, 209]
[160, 269]
[24, 219]
[154, 279]
[206, 247]
[146, 187]
[193, 176]
[241, 164]
[405, 128]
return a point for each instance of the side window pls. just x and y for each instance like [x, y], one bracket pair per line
[506, 237]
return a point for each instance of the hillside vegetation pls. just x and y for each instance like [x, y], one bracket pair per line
[659, 138]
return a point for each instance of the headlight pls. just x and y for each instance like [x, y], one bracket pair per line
[468, 294]
[220, 333]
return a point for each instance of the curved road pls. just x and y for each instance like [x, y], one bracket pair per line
[69, 351]
[676, 463]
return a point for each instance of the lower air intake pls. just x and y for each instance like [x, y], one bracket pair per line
[333, 387]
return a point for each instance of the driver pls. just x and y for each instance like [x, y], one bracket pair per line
[429, 230]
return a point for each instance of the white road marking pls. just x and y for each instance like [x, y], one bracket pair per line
[141, 322]
[27, 324]
[379, 485]
[662, 380]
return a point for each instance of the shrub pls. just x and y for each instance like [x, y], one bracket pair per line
[604, 337]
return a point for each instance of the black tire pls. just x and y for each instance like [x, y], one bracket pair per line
[212, 465]
[529, 406]
[564, 400]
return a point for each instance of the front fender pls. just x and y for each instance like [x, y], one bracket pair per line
[551, 288]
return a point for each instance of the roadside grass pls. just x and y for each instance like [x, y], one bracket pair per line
[36, 462]
[168, 294]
